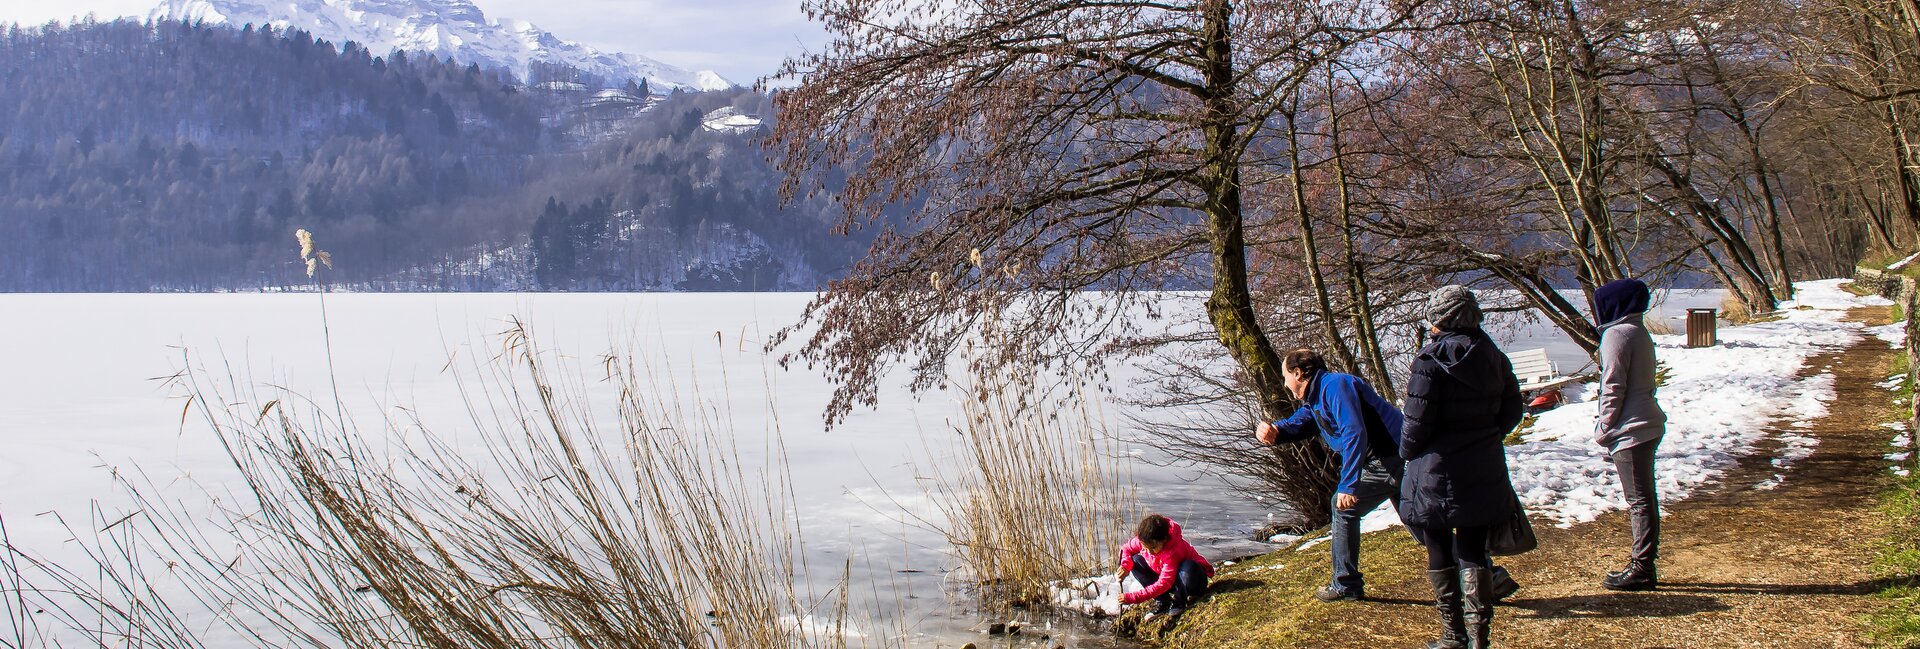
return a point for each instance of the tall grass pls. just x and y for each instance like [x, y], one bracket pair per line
[1735, 311]
[554, 520]
[1036, 490]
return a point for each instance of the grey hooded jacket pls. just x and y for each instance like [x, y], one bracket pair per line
[1630, 415]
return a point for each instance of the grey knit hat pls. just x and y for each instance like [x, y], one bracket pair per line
[1453, 307]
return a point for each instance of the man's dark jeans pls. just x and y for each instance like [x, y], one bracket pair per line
[1379, 483]
[1189, 584]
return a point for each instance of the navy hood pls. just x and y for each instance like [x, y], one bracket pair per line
[1618, 299]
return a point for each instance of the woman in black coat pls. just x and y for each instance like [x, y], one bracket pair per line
[1462, 400]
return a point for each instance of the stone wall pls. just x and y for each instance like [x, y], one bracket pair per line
[1902, 290]
[1909, 304]
[1893, 286]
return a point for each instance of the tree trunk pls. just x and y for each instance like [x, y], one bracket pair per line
[1230, 306]
[1607, 264]
[1748, 277]
[1362, 299]
[1875, 221]
[1782, 277]
[1310, 253]
[1903, 168]
[1540, 292]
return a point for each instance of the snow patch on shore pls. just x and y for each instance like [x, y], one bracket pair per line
[1093, 596]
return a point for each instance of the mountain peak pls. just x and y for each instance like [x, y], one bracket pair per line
[450, 28]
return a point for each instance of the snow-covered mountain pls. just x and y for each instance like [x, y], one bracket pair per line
[455, 28]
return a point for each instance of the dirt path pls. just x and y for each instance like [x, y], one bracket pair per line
[1741, 565]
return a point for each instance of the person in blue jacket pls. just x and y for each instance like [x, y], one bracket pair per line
[1364, 429]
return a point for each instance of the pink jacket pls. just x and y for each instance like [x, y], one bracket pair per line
[1166, 564]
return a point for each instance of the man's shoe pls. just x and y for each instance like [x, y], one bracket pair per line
[1503, 584]
[1331, 594]
[1637, 576]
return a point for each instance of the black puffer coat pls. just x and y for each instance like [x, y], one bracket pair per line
[1462, 400]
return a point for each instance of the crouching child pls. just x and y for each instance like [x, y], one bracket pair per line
[1169, 570]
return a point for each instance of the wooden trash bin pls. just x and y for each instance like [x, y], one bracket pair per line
[1701, 325]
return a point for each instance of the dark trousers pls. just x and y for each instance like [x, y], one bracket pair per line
[1188, 585]
[1454, 547]
[1635, 465]
[1379, 483]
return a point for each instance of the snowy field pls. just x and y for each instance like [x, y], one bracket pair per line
[85, 400]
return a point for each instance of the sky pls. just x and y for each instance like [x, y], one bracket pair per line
[741, 39]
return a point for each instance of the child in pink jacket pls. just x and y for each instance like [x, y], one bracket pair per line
[1172, 573]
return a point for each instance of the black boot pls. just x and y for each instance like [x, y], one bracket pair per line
[1503, 584]
[1476, 606]
[1446, 600]
[1638, 575]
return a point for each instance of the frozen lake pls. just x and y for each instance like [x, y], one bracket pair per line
[82, 396]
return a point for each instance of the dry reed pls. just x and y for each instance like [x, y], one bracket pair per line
[1735, 311]
[1035, 492]
[1660, 326]
[560, 533]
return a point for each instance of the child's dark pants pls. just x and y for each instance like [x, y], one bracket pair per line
[1190, 584]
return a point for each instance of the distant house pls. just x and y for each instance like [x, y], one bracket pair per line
[615, 98]
[730, 120]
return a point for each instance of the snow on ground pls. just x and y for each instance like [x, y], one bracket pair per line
[1719, 400]
[1895, 334]
[1901, 440]
[1379, 519]
[1903, 263]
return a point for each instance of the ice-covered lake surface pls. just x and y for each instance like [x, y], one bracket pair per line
[83, 396]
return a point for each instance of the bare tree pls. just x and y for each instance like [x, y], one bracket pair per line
[1049, 148]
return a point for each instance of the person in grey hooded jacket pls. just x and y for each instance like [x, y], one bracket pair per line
[1630, 423]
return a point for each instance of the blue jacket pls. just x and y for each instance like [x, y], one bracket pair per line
[1356, 422]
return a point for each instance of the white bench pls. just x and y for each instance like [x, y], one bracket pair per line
[1536, 371]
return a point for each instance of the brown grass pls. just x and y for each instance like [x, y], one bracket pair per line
[1734, 311]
